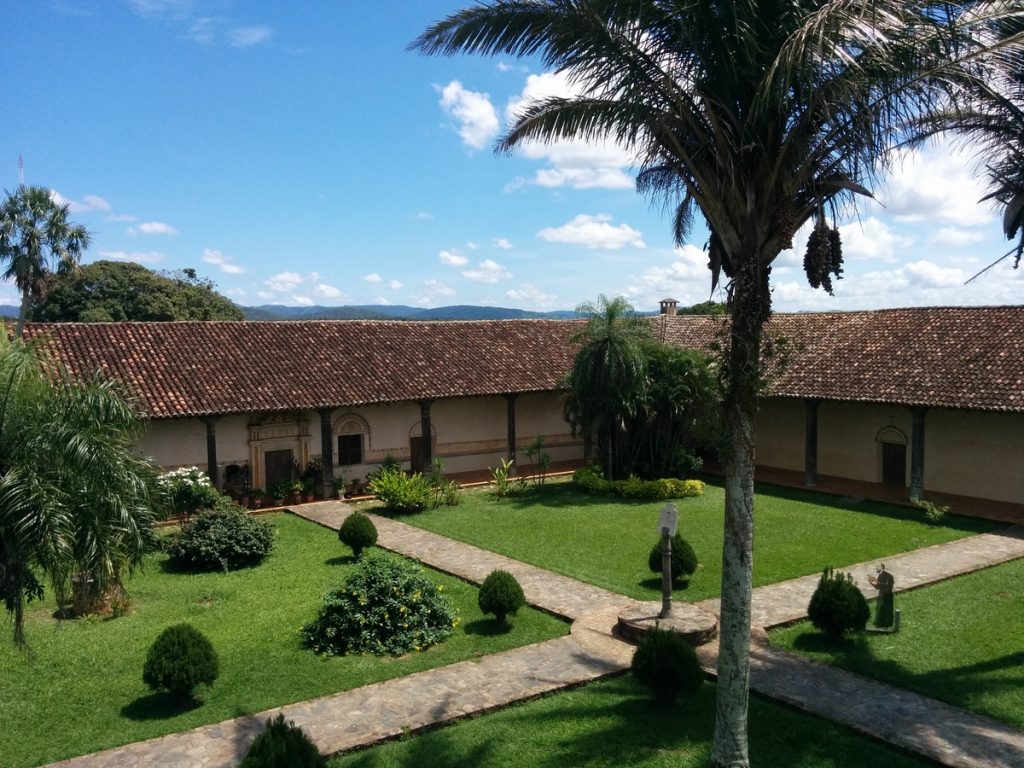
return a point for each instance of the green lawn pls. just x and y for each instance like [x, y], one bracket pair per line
[606, 541]
[84, 692]
[612, 723]
[960, 642]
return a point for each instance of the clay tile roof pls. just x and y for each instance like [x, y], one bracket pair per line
[206, 368]
[953, 357]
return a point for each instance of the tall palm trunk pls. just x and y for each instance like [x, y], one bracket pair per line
[750, 306]
[26, 303]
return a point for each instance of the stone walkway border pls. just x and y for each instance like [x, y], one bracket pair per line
[373, 713]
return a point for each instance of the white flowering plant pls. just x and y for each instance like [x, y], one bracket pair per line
[187, 490]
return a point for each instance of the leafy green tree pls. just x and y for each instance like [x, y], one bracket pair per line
[113, 291]
[35, 239]
[608, 374]
[760, 115]
[74, 496]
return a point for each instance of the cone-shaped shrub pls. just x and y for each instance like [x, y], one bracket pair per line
[283, 745]
[180, 659]
[684, 559]
[837, 606]
[668, 666]
[358, 532]
[501, 595]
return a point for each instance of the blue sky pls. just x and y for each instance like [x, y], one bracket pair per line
[298, 154]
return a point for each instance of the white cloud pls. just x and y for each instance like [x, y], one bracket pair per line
[327, 291]
[472, 246]
[955, 236]
[487, 271]
[689, 266]
[382, 301]
[373, 277]
[211, 256]
[140, 257]
[870, 239]
[424, 216]
[501, 242]
[120, 217]
[530, 294]
[244, 37]
[452, 258]
[930, 275]
[936, 184]
[87, 204]
[572, 163]
[504, 66]
[174, 8]
[284, 282]
[302, 301]
[394, 285]
[202, 31]
[594, 232]
[152, 228]
[473, 113]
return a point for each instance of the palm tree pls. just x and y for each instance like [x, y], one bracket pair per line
[759, 114]
[74, 496]
[608, 375]
[36, 239]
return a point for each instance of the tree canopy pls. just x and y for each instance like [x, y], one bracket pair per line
[35, 239]
[114, 291]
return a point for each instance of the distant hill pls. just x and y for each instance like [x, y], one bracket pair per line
[398, 312]
[9, 310]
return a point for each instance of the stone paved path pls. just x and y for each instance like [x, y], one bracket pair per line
[384, 710]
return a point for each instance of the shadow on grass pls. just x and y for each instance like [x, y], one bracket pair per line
[961, 686]
[654, 582]
[159, 706]
[486, 628]
[341, 560]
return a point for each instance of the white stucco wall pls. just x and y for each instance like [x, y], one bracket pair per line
[469, 434]
[968, 453]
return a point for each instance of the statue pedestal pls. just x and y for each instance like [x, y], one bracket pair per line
[696, 625]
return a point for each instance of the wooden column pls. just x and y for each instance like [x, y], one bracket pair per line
[426, 448]
[211, 450]
[510, 399]
[811, 443]
[917, 453]
[327, 452]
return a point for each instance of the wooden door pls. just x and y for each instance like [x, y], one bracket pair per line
[279, 467]
[894, 464]
[416, 454]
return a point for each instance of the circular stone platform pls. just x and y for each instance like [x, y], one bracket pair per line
[696, 625]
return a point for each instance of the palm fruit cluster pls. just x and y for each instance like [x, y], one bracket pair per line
[824, 256]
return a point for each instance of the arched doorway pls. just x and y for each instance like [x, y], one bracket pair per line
[892, 456]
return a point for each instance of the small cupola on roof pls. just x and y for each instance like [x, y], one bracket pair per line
[668, 306]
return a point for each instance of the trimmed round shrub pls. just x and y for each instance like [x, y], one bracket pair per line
[501, 595]
[180, 659]
[684, 559]
[402, 494]
[222, 539]
[358, 532]
[837, 606]
[666, 664]
[283, 744]
[386, 605]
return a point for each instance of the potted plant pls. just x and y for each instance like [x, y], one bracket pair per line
[339, 485]
[256, 497]
[307, 489]
[278, 491]
[354, 487]
[295, 488]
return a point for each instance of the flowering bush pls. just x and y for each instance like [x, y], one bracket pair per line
[187, 490]
[386, 605]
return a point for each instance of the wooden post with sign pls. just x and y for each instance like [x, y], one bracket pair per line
[667, 525]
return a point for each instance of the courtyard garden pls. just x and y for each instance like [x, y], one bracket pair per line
[81, 689]
[606, 541]
[959, 642]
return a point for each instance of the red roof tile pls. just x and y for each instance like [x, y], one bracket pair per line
[945, 357]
